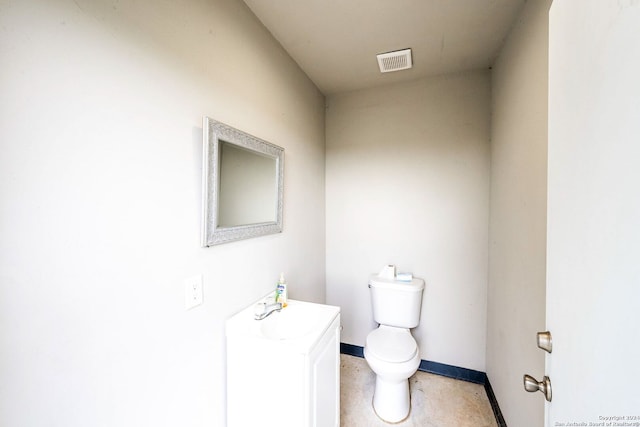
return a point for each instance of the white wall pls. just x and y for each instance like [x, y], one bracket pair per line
[407, 182]
[518, 215]
[100, 129]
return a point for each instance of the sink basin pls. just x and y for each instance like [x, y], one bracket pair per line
[293, 321]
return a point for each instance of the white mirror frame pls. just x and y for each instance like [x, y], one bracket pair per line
[214, 133]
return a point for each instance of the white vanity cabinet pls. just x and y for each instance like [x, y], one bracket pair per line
[284, 370]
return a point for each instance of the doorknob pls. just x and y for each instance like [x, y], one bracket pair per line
[532, 385]
[544, 341]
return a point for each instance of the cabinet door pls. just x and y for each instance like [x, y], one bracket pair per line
[265, 384]
[325, 379]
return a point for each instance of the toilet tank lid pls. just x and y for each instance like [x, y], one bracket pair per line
[415, 285]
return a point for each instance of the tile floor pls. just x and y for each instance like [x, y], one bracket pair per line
[436, 401]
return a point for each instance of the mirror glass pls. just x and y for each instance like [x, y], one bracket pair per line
[242, 185]
[248, 191]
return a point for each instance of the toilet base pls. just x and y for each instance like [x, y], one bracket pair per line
[391, 400]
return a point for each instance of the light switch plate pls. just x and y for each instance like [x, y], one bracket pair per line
[192, 291]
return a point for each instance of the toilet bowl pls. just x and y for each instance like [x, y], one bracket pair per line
[390, 350]
[392, 354]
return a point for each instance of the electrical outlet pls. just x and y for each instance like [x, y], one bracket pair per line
[192, 291]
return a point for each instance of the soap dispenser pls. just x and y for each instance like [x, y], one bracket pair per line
[281, 291]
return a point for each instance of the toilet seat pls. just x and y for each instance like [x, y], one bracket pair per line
[389, 344]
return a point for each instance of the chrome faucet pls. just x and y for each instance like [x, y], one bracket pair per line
[263, 310]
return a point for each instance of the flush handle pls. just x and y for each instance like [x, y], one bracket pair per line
[532, 385]
[544, 341]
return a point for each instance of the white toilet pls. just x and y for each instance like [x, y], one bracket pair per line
[390, 350]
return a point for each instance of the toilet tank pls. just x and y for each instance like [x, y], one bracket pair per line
[396, 303]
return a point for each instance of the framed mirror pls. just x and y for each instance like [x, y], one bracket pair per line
[242, 185]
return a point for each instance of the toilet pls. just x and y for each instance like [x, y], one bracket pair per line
[390, 350]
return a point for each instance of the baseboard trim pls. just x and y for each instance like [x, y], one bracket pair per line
[445, 370]
[494, 403]
[351, 350]
[427, 366]
[451, 371]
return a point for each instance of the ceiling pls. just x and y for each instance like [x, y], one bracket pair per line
[335, 42]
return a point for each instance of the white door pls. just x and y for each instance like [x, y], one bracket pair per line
[593, 247]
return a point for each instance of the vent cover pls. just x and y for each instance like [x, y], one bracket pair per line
[395, 61]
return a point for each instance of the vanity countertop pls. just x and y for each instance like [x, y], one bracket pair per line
[298, 326]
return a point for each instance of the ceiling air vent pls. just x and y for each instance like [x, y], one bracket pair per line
[395, 61]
